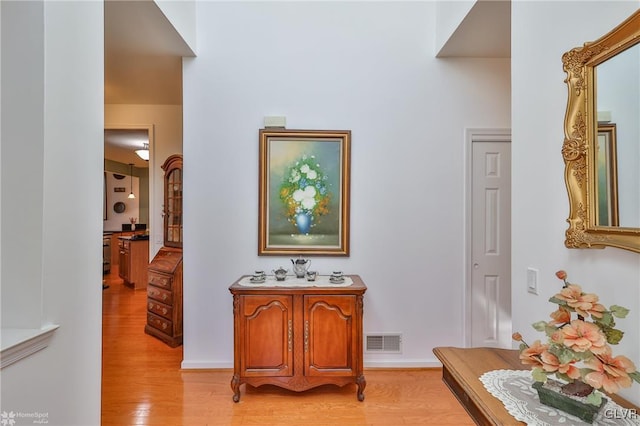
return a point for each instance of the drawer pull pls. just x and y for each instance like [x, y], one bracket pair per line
[290, 336]
[306, 336]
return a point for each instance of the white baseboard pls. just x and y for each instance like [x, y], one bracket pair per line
[426, 363]
[402, 364]
[206, 365]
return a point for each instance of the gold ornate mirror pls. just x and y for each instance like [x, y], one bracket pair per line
[601, 147]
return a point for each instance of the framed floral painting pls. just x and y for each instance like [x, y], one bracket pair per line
[304, 189]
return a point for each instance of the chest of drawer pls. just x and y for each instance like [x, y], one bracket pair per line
[164, 296]
[159, 294]
[159, 323]
[160, 309]
[160, 280]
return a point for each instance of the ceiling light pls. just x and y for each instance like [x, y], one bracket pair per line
[144, 152]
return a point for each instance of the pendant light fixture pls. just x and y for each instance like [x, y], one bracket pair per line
[131, 195]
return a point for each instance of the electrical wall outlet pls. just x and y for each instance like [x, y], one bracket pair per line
[532, 280]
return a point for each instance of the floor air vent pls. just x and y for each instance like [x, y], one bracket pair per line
[383, 343]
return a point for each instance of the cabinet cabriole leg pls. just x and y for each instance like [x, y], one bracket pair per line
[362, 383]
[235, 387]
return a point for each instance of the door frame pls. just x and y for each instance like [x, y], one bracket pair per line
[473, 135]
[153, 211]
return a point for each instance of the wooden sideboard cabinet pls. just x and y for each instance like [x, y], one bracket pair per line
[298, 337]
[133, 261]
[164, 297]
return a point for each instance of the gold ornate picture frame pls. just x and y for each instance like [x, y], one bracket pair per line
[580, 146]
[304, 192]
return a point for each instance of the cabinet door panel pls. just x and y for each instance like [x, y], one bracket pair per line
[173, 201]
[268, 335]
[330, 337]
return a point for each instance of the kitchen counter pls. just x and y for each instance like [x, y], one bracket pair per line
[134, 237]
[133, 261]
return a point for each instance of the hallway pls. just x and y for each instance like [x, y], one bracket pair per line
[142, 384]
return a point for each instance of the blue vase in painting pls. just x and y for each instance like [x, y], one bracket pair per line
[303, 222]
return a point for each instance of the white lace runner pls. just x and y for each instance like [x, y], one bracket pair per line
[291, 281]
[513, 388]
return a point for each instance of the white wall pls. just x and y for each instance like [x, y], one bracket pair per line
[182, 15]
[449, 15]
[541, 33]
[52, 143]
[24, 61]
[363, 66]
[166, 124]
[367, 67]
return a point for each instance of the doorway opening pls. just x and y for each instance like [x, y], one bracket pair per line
[120, 145]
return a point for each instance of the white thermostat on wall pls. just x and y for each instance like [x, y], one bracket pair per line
[275, 121]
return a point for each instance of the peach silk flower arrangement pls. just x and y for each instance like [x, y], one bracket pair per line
[578, 349]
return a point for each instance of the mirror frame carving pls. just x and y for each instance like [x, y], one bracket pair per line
[580, 133]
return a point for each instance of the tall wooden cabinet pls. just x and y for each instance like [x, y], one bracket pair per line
[164, 290]
[298, 337]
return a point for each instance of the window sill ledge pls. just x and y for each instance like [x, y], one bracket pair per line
[19, 343]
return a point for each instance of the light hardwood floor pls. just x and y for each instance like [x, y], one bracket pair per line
[142, 384]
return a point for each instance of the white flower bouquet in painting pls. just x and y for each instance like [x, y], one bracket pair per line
[305, 194]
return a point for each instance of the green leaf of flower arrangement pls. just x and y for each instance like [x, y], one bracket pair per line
[585, 371]
[540, 325]
[563, 377]
[635, 376]
[583, 356]
[564, 354]
[613, 335]
[594, 398]
[550, 329]
[539, 375]
[560, 302]
[619, 311]
[606, 320]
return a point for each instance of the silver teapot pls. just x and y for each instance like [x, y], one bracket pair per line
[300, 266]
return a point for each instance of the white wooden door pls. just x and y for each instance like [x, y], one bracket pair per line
[491, 244]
